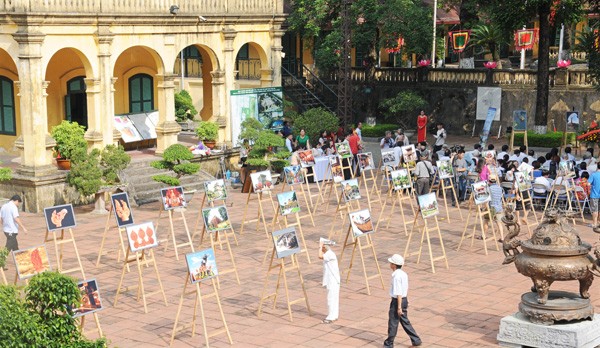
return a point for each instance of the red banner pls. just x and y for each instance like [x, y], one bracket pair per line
[459, 39]
[525, 39]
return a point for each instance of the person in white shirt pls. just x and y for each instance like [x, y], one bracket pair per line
[440, 137]
[11, 222]
[570, 157]
[359, 130]
[289, 141]
[399, 305]
[501, 154]
[387, 142]
[331, 280]
[544, 180]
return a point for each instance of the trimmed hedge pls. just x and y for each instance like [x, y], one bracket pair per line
[378, 131]
[550, 139]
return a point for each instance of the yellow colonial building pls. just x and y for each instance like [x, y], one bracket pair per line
[89, 60]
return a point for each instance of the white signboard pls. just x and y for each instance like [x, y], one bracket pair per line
[264, 104]
[488, 97]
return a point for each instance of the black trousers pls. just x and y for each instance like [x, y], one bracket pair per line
[393, 321]
[11, 241]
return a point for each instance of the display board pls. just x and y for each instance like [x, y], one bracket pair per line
[263, 104]
[137, 127]
[488, 97]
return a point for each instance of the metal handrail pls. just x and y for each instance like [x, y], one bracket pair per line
[320, 82]
[298, 83]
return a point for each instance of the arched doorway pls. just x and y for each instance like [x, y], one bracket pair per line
[76, 101]
[193, 67]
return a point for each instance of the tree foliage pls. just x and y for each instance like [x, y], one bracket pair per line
[176, 159]
[489, 36]
[314, 121]
[402, 106]
[184, 106]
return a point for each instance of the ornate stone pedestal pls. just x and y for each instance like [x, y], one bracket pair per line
[561, 305]
[518, 331]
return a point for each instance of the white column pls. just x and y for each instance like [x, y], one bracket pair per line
[106, 97]
[228, 79]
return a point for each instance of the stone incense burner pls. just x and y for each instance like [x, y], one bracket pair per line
[555, 252]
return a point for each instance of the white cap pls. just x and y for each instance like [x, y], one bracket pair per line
[396, 260]
[324, 241]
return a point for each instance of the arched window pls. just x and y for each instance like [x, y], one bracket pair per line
[7, 107]
[141, 93]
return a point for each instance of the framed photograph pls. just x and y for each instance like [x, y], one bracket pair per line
[519, 120]
[350, 190]
[343, 150]
[336, 169]
[122, 209]
[90, 298]
[400, 179]
[293, 175]
[306, 158]
[527, 170]
[216, 219]
[59, 217]
[142, 236]
[288, 203]
[428, 205]
[172, 197]
[261, 181]
[215, 190]
[365, 161]
[201, 265]
[565, 168]
[31, 261]
[286, 242]
[389, 159]
[522, 182]
[572, 121]
[481, 192]
[445, 169]
[489, 156]
[409, 154]
[361, 222]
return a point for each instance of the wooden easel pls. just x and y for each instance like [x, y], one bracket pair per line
[261, 197]
[212, 205]
[120, 231]
[143, 258]
[282, 270]
[198, 297]
[318, 194]
[176, 246]
[288, 224]
[512, 139]
[356, 244]
[479, 211]
[398, 197]
[216, 238]
[342, 210]
[309, 213]
[374, 190]
[568, 183]
[444, 187]
[3, 276]
[425, 229]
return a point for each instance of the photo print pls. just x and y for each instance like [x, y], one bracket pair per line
[400, 179]
[527, 170]
[490, 156]
[523, 184]
[428, 205]
[142, 236]
[288, 203]
[519, 120]
[350, 190]
[215, 190]
[343, 150]
[172, 197]
[365, 161]
[409, 154]
[336, 169]
[261, 181]
[306, 158]
[122, 209]
[286, 242]
[216, 219]
[201, 265]
[59, 217]
[361, 222]
[566, 169]
[389, 159]
[31, 261]
[293, 175]
[481, 192]
[445, 169]
[90, 298]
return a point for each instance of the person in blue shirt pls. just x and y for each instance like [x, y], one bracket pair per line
[594, 180]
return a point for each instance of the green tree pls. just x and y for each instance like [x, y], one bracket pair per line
[184, 106]
[588, 41]
[490, 37]
[402, 106]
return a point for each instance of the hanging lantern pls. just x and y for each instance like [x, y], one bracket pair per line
[525, 39]
[459, 39]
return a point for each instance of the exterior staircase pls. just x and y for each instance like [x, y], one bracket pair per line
[141, 187]
[307, 90]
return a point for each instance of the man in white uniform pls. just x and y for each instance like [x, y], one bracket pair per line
[11, 222]
[331, 280]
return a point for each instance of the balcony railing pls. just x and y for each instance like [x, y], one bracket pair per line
[194, 7]
[248, 69]
[581, 56]
[192, 67]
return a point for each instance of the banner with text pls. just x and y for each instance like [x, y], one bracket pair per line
[263, 104]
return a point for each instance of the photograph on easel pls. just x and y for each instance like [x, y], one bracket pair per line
[343, 150]
[307, 159]
[59, 217]
[90, 298]
[288, 203]
[365, 161]
[519, 120]
[523, 184]
[565, 169]
[481, 192]
[389, 159]
[201, 265]
[409, 155]
[173, 197]
[400, 179]
[350, 190]
[527, 170]
[31, 261]
[361, 222]
[122, 209]
[490, 156]
[293, 175]
[215, 190]
[142, 236]
[336, 169]
[261, 181]
[572, 121]
[286, 242]
[445, 169]
[428, 205]
[216, 219]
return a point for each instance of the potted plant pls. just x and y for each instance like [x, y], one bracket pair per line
[69, 137]
[176, 158]
[184, 109]
[208, 132]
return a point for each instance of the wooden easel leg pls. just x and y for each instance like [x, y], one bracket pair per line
[104, 236]
[483, 236]
[199, 297]
[426, 231]
[442, 243]
[3, 276]
[141, 280]
[178, 312]
[245, 214]
[221, 311]
[121, 280]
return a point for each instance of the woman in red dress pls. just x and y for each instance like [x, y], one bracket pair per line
[422, 127]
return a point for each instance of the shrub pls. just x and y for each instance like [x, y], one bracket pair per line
[184, 106]
[176, 159]
[402, 105]
[378, 131]
[250, 129]
[69, 137]
[551, 139]
[314, 121]
[3, 255]
[207, 131]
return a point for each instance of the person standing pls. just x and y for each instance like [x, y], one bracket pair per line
[440, 137]
[594, 181]
[354, 143]
[331, 280]
[399, 305]
[387, 142]
[423, 171]
[421, 127]
[359, 130]
[9, 213]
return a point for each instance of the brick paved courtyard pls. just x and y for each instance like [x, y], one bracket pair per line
[456, 307]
